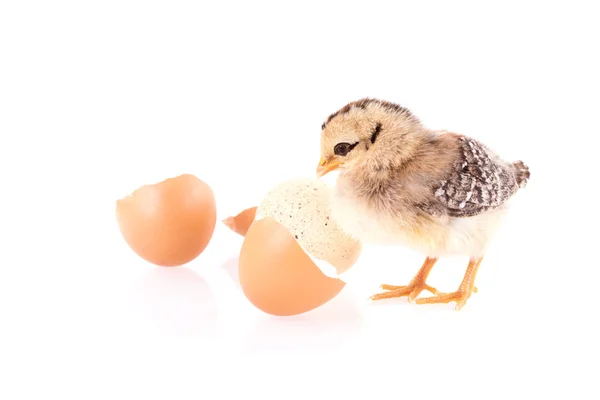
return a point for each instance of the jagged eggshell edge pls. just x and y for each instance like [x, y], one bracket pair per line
[303, 207]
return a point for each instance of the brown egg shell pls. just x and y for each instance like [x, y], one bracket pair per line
[169, 223]
[277, 276]
[241, 222]
[303, 206]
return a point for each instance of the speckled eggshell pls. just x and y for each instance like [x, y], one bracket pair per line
[303, 207]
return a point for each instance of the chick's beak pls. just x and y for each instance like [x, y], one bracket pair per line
[326, 166]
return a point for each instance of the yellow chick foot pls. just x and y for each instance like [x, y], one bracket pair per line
[411, 291]
[460, 297]
[414, 288]
[466, 288]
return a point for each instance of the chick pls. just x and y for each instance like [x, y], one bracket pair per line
[437, 192]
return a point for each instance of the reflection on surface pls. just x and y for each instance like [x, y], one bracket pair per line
[231, 267]
[320, 330]
[175, 300]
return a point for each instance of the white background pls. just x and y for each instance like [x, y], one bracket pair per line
[99, 98]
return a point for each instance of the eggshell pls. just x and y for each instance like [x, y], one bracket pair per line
[292, 240]
[241, 222]
[169, 223]
[303, 206]
[277, 276]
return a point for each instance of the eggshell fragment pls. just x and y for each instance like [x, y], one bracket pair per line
[169, 223]
[241, 222]
[303, 207]
[277, 276]
[288, 246]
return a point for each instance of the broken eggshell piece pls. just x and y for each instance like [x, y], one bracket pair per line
[293, 252]
[169, 223]
[303, 207]
[277, 276]
[241, 222]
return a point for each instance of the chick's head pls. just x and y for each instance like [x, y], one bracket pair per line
[365, 130]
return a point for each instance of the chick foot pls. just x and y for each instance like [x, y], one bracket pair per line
[460, 297]
[411, 291]
[414, 288]
[464, 292]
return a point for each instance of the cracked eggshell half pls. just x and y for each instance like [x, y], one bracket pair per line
[303, 207]
[294, 251]
[169, 223]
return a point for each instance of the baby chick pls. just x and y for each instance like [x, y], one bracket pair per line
[437, 192]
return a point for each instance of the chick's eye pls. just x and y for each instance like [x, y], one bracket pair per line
[341, 149]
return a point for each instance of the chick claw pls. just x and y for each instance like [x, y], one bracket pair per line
[460, 297]
[411, 291]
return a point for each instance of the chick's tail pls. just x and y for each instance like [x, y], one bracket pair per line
[521, 172]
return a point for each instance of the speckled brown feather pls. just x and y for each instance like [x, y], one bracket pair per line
[477, 182]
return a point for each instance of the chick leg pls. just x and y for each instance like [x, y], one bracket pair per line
[466, 288]
[414, 288]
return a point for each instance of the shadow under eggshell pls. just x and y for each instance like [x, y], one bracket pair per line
[277, 276]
